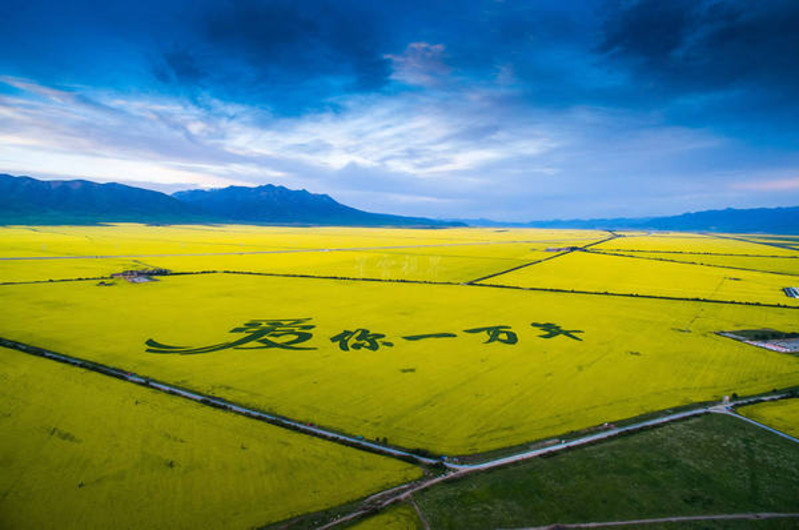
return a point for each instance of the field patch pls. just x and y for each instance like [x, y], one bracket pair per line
[63, 269]
[453, 369]
[389, 254]
[382, 266]
[589, 271]
[100, 453]
[693, 243]
[399, 517]
[782, 264]
[674, 470]
[782, 415]
[449, 264]
[126, 238]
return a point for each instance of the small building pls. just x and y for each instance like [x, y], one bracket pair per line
[140, 275]
[562, 249]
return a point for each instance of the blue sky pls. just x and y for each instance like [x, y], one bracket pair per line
[509, 110]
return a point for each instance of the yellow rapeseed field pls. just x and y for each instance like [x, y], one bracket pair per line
[679, 242]
[595, 272]
[779, 264]
[63, 269]
[786, 240]
[82, 450]
[415, 265]
[126, 239]
[499, 371]
[781, 415]
[432, 255]
[398, 517]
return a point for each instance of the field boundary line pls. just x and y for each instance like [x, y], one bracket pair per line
[522, 266]
[435, 282]
[685, 252]
[419, 514]
[776, 245]
[383, 500]
[397, 493]
[279, 251]
[666, 260]
[761, 425]
[675, 519]
[634, 295]
[613, 235]
[497, 286]
[33, 282]
[223, 404]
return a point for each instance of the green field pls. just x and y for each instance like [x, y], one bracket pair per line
[82, 450]
[679, 469]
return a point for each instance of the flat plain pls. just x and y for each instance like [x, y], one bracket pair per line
[676, 470]
[101, 453]
[454, 342]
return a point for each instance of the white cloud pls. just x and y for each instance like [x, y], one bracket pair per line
[443, 152]
[769, 184]
[421, 64]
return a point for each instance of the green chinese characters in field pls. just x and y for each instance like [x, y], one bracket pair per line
[287, 334]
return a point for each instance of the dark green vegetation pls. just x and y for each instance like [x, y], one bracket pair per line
[710, 465]
[762, 334]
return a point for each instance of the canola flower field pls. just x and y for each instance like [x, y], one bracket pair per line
[445, 341]
[100, 453]
[401, 517]
[625, 357]
[781, 415]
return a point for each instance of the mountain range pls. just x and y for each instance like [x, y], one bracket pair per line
[25, 200]
[28, 201]
[766, 220]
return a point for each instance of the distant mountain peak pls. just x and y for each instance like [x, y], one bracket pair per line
[276, 204]
[779, 220]
[84, 201]
[26, 200]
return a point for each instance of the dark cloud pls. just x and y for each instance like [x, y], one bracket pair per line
[711, 45]
[290, 56]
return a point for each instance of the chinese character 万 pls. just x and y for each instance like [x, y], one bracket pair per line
[501, 334]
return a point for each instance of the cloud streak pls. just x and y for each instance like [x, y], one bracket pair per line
[433, 154]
